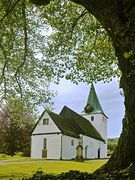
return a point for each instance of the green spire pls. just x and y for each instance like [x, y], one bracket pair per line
[93, 104]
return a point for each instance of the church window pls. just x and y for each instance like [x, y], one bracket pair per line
[92, 118]
[72, 142]
[45, 121]
[44, 143]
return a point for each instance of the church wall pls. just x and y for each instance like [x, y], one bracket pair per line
[48, 128]
[104, 150]
[91, 146]
[53, 146]
[99, 122]
[69, 149]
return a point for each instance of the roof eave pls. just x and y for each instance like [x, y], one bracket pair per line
[95, 112]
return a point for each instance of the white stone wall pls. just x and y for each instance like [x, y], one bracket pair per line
[104, 150]
[50, 128]
[100, 123]
[53, 140]
[69, 151]
[53, 146]
[92, 148]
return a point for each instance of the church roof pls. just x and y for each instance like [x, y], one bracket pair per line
[65, 127]
[80, 124]
[93, 104]
[72, 124]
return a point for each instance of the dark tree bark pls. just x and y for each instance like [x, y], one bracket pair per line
[118, 19]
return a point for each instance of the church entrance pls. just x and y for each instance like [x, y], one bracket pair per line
[44, 153]
[98, 153]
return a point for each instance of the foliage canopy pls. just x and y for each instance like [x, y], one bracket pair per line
[43, 44]
[24, 73]
[78, 43]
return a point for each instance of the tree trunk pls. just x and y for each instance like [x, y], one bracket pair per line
[124, 154]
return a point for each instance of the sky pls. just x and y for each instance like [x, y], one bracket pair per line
[75, 97]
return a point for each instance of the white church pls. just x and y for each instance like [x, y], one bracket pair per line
[56, 136]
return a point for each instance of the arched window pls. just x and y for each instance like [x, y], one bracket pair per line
[45, 143]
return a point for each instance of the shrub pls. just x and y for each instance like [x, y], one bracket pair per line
[74, 175]
[40, 175]
[19, 154]
[125, 174]
[4, 156]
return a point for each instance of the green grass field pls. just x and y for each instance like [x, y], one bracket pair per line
[21, 167]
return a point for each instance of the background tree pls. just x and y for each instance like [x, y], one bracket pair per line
[16, 124]
[111, 145]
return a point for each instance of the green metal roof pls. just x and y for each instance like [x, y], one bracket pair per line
[93, 104]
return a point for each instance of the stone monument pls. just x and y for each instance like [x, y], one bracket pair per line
[79, 153]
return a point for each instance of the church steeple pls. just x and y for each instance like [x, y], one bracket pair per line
[94, 113]
[93, 104]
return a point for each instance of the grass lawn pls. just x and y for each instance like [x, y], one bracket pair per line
[22, 167]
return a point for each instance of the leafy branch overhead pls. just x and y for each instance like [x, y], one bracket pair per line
[45, 43]
[79, 43]
[24, 72]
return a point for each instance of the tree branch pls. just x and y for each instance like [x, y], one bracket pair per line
[5, 64]
[3, 78]
[9, 11]
[40, 2]
[19, 85]
[78, 18]
[5, 88]
[25, 40]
